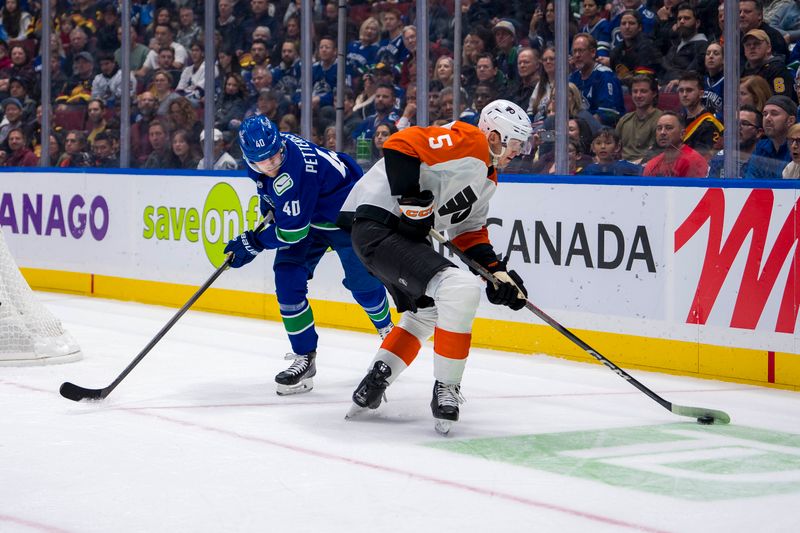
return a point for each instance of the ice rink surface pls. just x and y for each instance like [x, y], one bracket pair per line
[195, 440]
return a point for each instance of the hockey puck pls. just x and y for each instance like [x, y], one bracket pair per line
[705, 420]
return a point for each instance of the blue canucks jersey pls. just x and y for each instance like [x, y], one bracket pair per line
[602, 92]
[648, 25]
[309, 190]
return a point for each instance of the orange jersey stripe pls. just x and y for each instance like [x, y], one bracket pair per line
[467, 240]
[436, 144]
[451, 345]
[403, 344]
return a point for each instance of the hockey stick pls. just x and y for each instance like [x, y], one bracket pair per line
[76, 393]
[703, 415]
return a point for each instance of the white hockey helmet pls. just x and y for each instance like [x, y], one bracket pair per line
[510, 122]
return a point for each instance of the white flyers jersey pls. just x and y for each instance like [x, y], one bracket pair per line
[455, 166]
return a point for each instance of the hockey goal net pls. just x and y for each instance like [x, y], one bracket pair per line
[29, 333]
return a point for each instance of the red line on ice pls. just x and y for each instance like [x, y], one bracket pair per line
[406, 473]
[31, 524]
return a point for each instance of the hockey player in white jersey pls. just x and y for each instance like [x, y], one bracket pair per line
[442, 178]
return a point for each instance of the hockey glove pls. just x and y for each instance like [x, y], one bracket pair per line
[417, 216]
[509, 290]
[244, 248]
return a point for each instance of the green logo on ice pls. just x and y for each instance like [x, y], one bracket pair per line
[222, 218]
[684, 461]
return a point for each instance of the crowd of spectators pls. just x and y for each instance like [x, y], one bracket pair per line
[645, 84]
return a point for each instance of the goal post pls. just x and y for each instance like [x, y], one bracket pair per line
[29, 333]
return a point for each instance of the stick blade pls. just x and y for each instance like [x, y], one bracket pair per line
[75, 393]
[718, 417]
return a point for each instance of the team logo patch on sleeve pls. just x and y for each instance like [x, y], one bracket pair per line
[282, 183]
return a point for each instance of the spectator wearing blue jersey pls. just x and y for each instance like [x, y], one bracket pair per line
[361, 54]
[772, 153]
[304, 186]
[598, 84]
[286, 74]
[392, 49]
[714, 80]
[648, 19]
[598, 27]
[384, 112]
[323, 75]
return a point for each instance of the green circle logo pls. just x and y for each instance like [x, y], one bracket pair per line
[222, 221]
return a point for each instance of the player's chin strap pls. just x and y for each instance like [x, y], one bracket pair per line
[703, 415]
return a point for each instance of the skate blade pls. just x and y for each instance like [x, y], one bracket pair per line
[443, 427]
[286, 390]
[355, 411]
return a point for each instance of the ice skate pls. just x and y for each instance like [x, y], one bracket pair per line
[444, 406]
[297, 378]
[371, 391]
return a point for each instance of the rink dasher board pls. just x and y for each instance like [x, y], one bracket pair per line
[672, 275]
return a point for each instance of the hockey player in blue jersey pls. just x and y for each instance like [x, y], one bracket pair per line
[304, 186]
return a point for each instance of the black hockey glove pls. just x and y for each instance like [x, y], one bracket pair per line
[245, 248]
[417, 215]
[509, 291]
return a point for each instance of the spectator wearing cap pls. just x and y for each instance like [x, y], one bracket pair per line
[505, 38]
[687, 54]
[107, 86]
[677, 159]
[78, 88]
[18, 153]
[383, 73]
[761, 62]
[599, 27]
[751, 17]
[12, 117]
[772, 152]
[266, 104]
[599, 86]
[392, 49]
[222, 159]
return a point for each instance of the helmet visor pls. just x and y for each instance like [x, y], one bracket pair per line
[518, 147]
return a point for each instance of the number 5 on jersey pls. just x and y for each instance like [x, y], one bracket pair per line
[438, 142]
